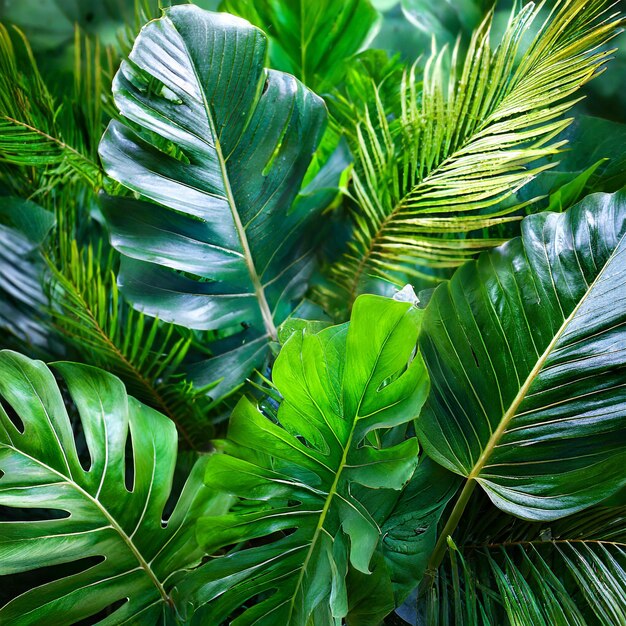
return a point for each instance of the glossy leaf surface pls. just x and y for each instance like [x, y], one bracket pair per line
[133, 554]
[310, 40]
[526, 352]
[343, 388]
[217, 147]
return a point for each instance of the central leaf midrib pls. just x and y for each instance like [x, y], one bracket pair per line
[391, 216]
[342, 465]
[510, 413]
[259, 291]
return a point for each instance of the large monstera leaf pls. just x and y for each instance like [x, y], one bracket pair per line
[217, 146]
[348, 392]
[526, 349]
[134, 557]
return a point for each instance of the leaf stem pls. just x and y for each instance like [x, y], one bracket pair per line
[442, 543]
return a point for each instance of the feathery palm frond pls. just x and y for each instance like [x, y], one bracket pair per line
[464, 141]
[54, 139]
[570, 572]
[145, 353]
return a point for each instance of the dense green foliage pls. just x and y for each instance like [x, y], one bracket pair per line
[214, 220]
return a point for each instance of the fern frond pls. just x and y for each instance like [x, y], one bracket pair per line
[464, 141]
[572, 572]
[145, 353]
[55, 137]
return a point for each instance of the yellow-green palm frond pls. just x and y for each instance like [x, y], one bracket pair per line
[468, 135]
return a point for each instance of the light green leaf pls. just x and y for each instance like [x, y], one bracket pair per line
[134, 555]
[217, 146]
[344, 387]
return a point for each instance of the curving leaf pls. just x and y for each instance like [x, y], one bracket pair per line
[410, 529]
[431, 175]
[134, 556]
[310, 40]
[503, 570]
[217, 146]
[146, 355]
[526, 352]
[445, 20]
[348, 393]
[48, 136]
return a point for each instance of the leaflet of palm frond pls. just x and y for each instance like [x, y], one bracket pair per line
[466, 138]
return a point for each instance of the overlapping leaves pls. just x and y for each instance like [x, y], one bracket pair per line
[429, 175]
[23, 227]
[504, 570]
[526, 352]
[348, 392]
[310, 40]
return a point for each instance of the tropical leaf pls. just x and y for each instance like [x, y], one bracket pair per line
[409, 530]
[447, 19]
[23, 228]
[593, 162]
[525, 348]
[310, 40]
[218, 148]
[147, 355]
[429, 175]
[54, 138]
[126, 555]
[348, 392]
[507, 571]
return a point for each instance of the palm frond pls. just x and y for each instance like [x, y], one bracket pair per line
[465, 139]
[48, 139]
[571, 572]
[145, 353]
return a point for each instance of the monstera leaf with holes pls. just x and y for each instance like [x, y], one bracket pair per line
[311, 40]
[348, 392]
[217, 147]
[138, 555]
[526, 349]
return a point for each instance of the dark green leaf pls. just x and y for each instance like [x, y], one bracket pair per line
[24, 226]
[222, 149]
[525, 348]
[310, 40]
